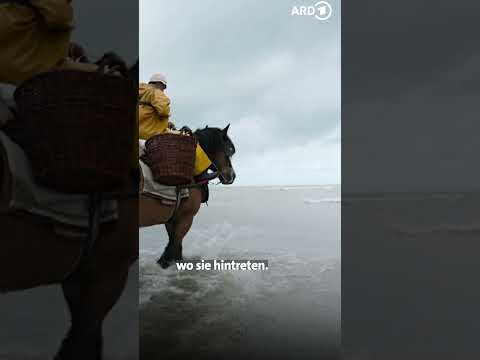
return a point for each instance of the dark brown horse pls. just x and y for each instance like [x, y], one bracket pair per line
[32, 254]
[219, 149]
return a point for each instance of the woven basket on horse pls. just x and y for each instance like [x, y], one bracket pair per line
[78, 129]
[171, 158]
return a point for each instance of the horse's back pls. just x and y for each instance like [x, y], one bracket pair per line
[32, 252]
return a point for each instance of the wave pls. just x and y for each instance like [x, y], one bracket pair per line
[320, 201]
[224, 241]
[441, 228]
[405, 197]
[307, 187]
[286, 272]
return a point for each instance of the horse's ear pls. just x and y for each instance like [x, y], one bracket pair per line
[226, 129]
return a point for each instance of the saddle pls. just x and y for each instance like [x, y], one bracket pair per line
[20, 195]
[153, 188]
[52, 167]
[166, 193]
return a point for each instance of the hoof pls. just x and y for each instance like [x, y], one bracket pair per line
[165, 262]
[169, 256]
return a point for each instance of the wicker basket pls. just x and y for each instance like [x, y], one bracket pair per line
[78, 129]
[171, 158]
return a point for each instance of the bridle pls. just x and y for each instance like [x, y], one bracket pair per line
[226, 146]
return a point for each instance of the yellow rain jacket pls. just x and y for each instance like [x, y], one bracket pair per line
[33, 39]
[154, 111]
[153, 117]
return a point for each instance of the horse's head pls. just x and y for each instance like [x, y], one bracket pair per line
[220, 149]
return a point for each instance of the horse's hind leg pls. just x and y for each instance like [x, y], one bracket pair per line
[84, 337]
[179, 227]
[90, 294]
[173, 250]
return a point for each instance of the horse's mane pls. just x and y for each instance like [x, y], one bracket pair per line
[210, 139]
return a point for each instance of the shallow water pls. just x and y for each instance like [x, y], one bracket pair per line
[292, 310]
[33, 323]
[410, 288]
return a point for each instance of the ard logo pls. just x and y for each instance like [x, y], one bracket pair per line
[322, 10]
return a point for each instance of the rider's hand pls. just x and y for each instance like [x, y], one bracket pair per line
[187, 130]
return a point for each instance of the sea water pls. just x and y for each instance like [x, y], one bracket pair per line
[292, 309]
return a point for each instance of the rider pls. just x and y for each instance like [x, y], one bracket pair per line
[35, 37]
[154, 116]
[154, 110]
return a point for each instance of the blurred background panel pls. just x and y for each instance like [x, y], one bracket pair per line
[34, 322]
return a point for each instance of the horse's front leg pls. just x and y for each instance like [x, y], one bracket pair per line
[179, 227]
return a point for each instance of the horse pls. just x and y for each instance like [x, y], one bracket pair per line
[32, 255]
[178, 218]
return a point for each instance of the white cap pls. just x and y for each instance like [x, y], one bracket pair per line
[159, 78]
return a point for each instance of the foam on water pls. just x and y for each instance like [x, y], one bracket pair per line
[283, 271]
[217, 311]
[319, 201]
[218, 242]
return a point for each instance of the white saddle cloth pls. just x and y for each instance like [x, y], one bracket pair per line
[151, 187]
[26, 195]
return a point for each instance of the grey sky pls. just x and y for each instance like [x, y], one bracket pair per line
[410, 96]
[107, 25]
[101, 26]
[274, 77]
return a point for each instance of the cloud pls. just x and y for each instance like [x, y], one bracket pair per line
[107, 25]
[410, 97]
[315, 162]
[274, 77]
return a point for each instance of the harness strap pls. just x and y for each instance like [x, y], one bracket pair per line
[178, 201]
[94, 211]
[95, 203]
[178, 189]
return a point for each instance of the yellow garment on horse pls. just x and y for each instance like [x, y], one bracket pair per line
[33, 39]
[154, 111]
[202, 162]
